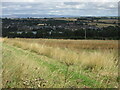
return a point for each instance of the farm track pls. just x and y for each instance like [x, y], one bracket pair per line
[52, 65]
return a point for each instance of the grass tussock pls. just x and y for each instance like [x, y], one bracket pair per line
[95, 63]
[20, 71]
[93, 60]
[75, 44]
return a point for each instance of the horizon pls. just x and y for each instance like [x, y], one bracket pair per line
[57, 17]
[59, 9]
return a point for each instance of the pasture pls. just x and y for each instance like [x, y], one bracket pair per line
[57, 63]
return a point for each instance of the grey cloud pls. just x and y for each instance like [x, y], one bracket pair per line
[71, 3]
[61, 8]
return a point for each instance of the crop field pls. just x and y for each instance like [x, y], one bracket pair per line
[69, 19]
[110, 21]
[105, 23]
[57, 63]
[102, 24]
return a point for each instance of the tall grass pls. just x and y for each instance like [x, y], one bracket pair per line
[20, 71]
[0, 63]
[95, 60]
[76, 44]
[95, 63]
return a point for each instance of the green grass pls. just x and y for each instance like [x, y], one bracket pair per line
[21, 68]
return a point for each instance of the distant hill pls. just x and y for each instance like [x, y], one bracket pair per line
[35, 15]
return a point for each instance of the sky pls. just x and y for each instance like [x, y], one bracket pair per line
[46, 8]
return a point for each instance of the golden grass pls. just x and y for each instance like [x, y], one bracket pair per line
[1, 39]
[0, 62]
[96, 59]
[75, 44]
[17, 70]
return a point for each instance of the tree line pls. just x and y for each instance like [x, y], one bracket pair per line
[111, 32]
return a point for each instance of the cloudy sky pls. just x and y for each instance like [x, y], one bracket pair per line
[44, 8]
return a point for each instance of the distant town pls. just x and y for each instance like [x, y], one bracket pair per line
[61, 28]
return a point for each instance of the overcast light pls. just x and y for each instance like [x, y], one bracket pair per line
[40, 8]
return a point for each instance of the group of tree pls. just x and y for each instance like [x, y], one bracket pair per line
[110, 32]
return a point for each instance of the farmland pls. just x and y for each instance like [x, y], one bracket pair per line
[60, 63]
[101, 28]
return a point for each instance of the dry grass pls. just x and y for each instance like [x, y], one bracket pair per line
[75, 44]
[97, 59]
[20, 71]
[0, 62]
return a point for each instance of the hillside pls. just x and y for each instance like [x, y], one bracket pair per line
[24, 67]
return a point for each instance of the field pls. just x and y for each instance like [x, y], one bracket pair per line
[102, 24]
[68, 19]
[57, 63]
[110, 21]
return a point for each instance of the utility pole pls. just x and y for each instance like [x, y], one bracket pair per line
[85, 33]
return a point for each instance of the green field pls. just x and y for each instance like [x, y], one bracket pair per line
[47, 63]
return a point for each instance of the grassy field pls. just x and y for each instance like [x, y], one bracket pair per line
[110, 20]
[48, 63]
[105, 23]
[101, 25]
